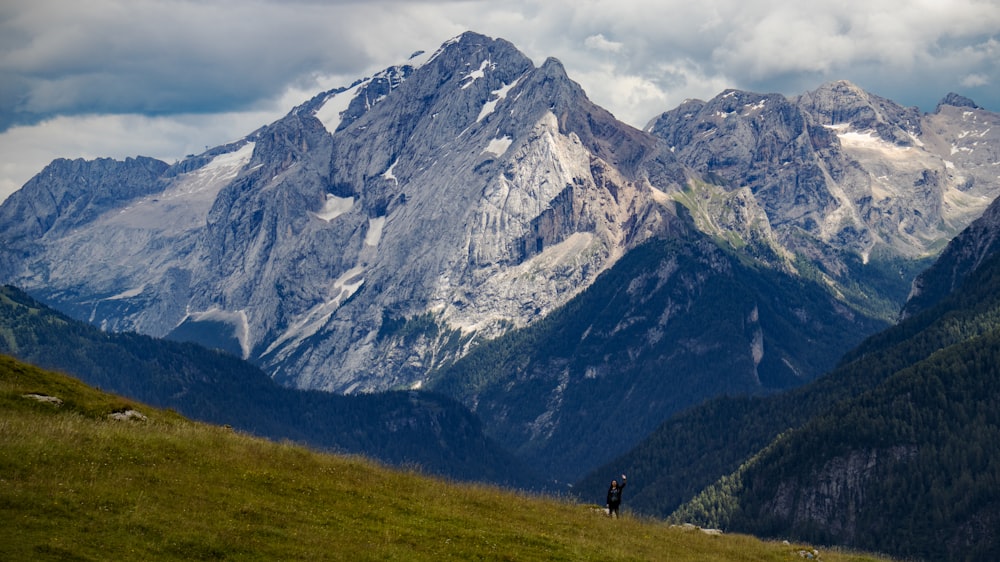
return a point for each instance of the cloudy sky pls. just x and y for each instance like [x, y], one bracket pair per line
[166, 78]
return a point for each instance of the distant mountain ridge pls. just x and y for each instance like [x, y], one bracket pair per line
[844, 177]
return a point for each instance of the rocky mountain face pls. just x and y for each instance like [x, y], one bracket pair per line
[378, 233]
[68, 194]
[784, 185]
[845, 178]
[963, 256]
[71, 193]
[466, 192]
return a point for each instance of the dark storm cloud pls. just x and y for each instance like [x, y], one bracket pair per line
[171, 57]
[158, 58]
[165, 77]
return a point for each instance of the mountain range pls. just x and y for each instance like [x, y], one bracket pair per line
[469, 223]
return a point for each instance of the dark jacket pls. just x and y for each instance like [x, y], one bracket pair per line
[615, 494]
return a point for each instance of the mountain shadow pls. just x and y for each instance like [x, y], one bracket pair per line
[673, 323]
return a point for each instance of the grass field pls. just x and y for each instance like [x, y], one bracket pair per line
[76, 484]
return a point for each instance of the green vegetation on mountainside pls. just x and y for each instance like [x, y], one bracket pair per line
[908, 429]
[928, 483]
[78, 485]
[697, 447]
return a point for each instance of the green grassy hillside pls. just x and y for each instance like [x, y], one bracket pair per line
[76, 484]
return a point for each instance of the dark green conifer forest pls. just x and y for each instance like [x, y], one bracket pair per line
[897, 449]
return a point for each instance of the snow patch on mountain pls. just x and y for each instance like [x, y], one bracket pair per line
[389, 175]
[332, 111]
[751, 108]
[496, 96]
[476, 74]
[334, 206]
[230, 163]
[498, 146]
[869, 140]
[128, 294]
[374, 234]
[185, 204]
[346, 285]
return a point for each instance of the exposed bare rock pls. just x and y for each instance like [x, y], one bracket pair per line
[842, 173]
[466, 188]
[45, 399]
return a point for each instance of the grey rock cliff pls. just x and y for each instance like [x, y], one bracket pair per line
[831, 495]
[69, 193]
[466, 188]
[842, 176]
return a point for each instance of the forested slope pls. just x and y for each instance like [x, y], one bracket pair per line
[912, 464]
[944, 437]
[673, 323]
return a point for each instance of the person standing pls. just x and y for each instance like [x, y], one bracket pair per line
[615, 497]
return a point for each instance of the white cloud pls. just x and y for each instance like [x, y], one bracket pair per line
[975, 80]
[599, 43]
[167, 77]
[637, 98]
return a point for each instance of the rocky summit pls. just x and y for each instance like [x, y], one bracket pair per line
[842, 173]
[465, 188]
